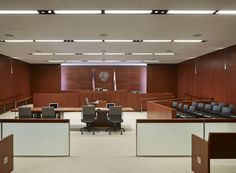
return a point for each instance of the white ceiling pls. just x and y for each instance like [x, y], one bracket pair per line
[219, 31]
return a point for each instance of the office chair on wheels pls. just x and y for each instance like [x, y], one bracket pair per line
[115, 119]
[89, 117]
[25, 112]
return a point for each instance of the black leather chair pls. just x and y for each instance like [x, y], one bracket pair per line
[214, 103]
[89, 117]
[48, 112]
[185, 113]
[226, 112]
[25, 112]
[174, 104]
[194, 104]
[115, 119]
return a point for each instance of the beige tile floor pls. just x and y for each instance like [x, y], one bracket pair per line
[103, 153]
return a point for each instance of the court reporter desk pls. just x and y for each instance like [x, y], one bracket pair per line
[101, 113]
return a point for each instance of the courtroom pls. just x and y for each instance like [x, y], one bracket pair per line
[111, 86]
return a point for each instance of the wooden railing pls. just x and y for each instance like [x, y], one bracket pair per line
[8, 103]
[198, 98]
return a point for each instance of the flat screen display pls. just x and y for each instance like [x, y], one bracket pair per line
[108, 105]
[53, 105]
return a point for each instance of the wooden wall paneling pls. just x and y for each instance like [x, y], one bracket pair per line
[127, 78]
[162, 78]
[63, 99]
[45, 78]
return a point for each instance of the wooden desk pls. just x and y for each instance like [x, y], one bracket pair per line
[6, 154]
[101, 113]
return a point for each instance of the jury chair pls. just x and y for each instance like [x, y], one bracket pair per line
[115, 119]
[89, 117]
[48, 112]
[25, 112]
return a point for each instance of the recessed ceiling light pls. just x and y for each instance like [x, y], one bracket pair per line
[37, 53]
[128, 11]
[191, 11]
[226, 12]
[188, 41]
[18, 41]
[164, 53]
[88, 41]
[118, 41]
[9, 35]
[77, 11]
[157, 41]
[50, 41]
[64, 53]
[19, 12]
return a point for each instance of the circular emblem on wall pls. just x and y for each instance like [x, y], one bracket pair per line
[103, 76]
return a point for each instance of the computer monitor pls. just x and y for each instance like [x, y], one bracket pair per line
[53, 105]
[108, 105]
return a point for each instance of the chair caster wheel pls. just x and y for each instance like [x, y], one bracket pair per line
[109, 133]
[93, 133]
[82, 133]
[121, 133]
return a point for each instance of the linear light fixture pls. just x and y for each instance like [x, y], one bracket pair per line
[104, 64]
[92, 53]
[191, 11]
[112, 61]
[165, 53]
[56, 61]
[19, 41]
[188, 41]
[226, 12]
[45, 41]
[107, 53]
[78, 11]
[64, 53]
[118, 41]
[19, 12]
[151, 61]
[73, 61]
[128, 11]
[84, 41]
[142, 53]
[43, 54]
[157, 41]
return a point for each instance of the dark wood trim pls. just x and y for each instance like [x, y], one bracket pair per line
[34, 120]
[170, 120]
[6, 154]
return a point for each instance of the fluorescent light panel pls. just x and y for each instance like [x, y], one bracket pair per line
[92, 53]
[114, 53]
[188, 41]
[104, 64]
[18, 41]
[77, 11]
[227, 12]
[157, 41]
[36, 53]
[128, 11]
[19, 12]
[64, 54]
[44, 41]
[73, 61]
[56, 61]
[84, 41]
[165, 53]
[142, 53]
[118, 41]
[191, 11]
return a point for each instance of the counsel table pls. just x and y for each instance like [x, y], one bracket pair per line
[101, 112]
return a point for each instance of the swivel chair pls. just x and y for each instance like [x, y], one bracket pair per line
[115, 119]
[48, 112]
[25, 112]
[89, 117]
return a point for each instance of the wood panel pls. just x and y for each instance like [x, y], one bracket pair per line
[158, 111]
[6, 154]
[212, 78]
[127, 78]
[135, 100]
[63, 99]
[15, 79]
[162, 78]
[45, 78]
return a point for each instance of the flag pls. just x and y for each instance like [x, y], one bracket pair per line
[93, 79]
[114, 80]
